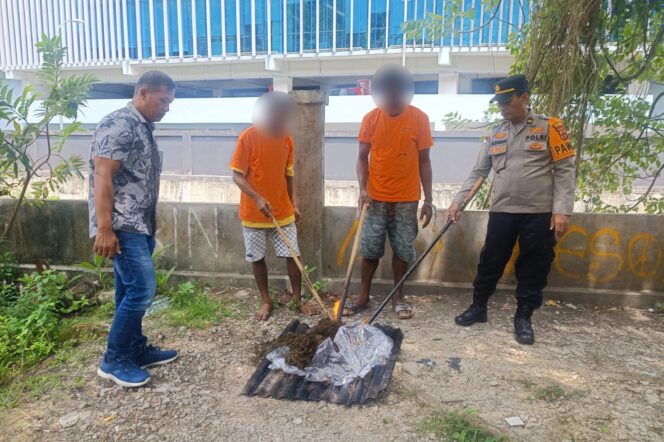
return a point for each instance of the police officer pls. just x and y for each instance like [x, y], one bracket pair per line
[533, 197]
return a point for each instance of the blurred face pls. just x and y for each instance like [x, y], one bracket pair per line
[392, 100]
[152, 103]
[516, 108]
[278, 122]
[274, 117]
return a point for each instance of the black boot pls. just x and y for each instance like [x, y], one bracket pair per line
[477, 312]
[523, 330]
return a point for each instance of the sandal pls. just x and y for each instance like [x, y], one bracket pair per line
[351, 308]
[403, 310]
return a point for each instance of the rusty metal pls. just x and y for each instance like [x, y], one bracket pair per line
[279, 385]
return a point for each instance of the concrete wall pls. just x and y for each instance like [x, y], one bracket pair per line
[615, 259]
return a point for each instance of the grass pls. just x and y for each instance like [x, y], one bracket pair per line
[86, 326]
[35, 386]
[457, 426]
[550, 393]
[193, 306]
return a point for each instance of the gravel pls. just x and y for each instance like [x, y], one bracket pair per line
[608, 362]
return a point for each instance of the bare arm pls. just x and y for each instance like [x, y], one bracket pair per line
[426, 177]
[106, 243]
[291, 195]
[263, 205]
[362, 169]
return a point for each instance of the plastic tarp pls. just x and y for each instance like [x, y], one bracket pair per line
[355, 350]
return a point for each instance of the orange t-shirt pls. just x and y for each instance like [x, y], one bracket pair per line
[265, 162]
[394, 162]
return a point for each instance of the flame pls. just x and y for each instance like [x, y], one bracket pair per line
[335, 309]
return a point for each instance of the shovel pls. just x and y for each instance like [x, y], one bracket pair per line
[349, 272]
[291, 250]
[420, 258]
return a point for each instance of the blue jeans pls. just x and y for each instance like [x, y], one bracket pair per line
[135, 287]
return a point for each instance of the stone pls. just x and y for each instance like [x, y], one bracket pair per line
[298, 421]
[652, 397]
[412, 368]
[572, 306]
[515, 421]
[72, 418]
[106, 296]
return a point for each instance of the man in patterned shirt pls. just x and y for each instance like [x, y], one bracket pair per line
[125, 165]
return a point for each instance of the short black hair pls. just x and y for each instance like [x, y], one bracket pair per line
[155, 80]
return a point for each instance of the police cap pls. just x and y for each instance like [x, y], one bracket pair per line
[505, 88]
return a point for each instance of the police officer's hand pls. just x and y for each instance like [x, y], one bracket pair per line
[453, 212]
[264, 206]
[425, 215]
[559, 223]
[106, 244]
[364, 198]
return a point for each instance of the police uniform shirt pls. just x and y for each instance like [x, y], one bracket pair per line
[534, 167]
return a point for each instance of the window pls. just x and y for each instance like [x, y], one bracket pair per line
[309, 25]
[245, 27]
[360, 18]
[277, 25]
[261, 26]
[396, 20]
[231, 28]
[378, 22]
[326, 18]
[293, 25]
[343, 24]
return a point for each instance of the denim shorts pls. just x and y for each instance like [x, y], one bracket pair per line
[398, 221]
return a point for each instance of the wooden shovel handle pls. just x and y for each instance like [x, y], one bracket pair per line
[353, 253]
[291, 250]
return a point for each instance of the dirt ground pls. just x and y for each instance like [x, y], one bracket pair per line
[593, 374]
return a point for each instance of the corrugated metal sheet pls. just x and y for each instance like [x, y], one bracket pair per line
[279, 385]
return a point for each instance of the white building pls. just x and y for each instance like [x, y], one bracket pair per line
[260, 44]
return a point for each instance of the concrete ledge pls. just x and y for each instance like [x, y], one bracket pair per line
[381, 287]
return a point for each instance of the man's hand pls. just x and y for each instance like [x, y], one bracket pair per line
[106, 244]
[559, 223]
[364, 198]
[298, 216]
[425, 214]
[264, 206]
[453, 212]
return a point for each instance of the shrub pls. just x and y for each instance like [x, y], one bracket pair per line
[29, 325]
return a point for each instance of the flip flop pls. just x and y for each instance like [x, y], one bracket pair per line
[403, 310]
[353, 308]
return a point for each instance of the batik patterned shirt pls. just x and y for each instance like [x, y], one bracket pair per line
[126, 136]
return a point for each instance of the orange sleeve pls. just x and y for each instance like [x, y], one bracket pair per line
[366, 129]
[290, 164]
[240, 159]
[559, 144]
[424, 140]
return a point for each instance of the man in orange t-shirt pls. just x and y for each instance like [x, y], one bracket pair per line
[263, 168]
[393, 162]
